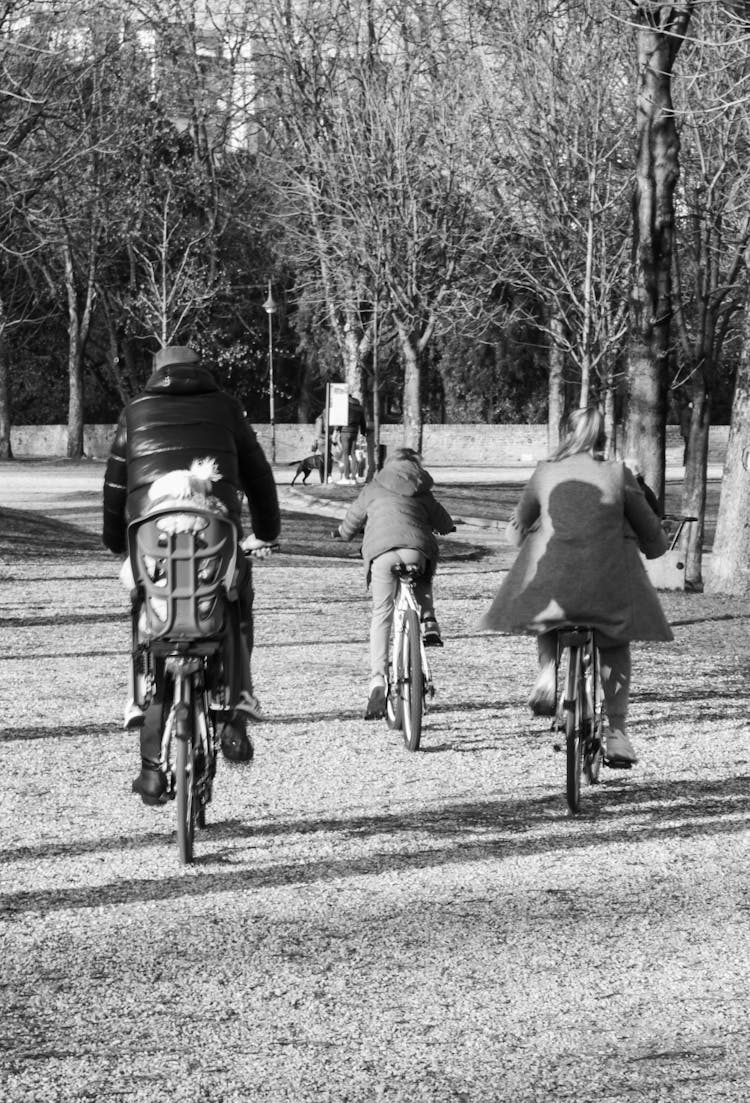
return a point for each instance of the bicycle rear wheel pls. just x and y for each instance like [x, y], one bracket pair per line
[185, 777]
[574, 711]
[594, 745]
[412, 684]
[394, 712]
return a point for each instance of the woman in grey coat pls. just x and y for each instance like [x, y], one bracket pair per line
[580, 525]
[400, 516]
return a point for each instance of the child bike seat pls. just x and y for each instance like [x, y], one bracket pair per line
[184, 562]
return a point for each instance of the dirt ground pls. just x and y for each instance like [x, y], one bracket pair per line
[362, 923]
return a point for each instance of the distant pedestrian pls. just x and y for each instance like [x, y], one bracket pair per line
[356, 424]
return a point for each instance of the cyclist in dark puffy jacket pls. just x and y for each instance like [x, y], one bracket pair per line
[182, 416]
[400, 516]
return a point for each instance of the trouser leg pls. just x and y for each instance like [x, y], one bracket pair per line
[151, 732]
[542, 696]
[383, 585]
[347, 446]
[423, 594]
[546, 646]
[246, 598]
[615, 669]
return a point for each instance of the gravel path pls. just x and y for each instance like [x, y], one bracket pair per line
[361, 923]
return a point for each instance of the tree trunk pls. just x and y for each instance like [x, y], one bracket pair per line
[694, 486]
[555, 400]
[75, 397]
[75, 365]
[729, 571]
[646, 417]
[610, 419]
[661, 29]
[6, 452]
[352, 354]
[412, 391]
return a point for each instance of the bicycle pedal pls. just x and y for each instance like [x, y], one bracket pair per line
[617, 764]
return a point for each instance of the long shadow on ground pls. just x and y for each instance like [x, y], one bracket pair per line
[507, 828]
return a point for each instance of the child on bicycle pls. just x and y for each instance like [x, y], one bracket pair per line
[579, 526]
[400, 516]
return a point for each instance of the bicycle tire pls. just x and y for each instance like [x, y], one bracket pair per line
[185, 780]
[412, 685]
[574, 703]
[594, 747]
[394, 712]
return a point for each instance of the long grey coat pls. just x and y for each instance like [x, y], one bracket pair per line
[579, 523]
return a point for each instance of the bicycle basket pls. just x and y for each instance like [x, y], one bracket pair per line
[183, 561]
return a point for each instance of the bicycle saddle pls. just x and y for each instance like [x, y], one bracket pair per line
[406, 570]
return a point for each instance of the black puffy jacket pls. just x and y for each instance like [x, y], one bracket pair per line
[182, 416]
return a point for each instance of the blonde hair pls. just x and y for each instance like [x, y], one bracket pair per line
[584, 432]
[406, 454]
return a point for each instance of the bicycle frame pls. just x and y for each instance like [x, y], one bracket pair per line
[188, 719]
[579, 712]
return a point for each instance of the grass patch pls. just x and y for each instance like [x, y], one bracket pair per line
[26, 535]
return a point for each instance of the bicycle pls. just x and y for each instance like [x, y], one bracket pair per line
[186, 635]
[410, 683]
[579, 709]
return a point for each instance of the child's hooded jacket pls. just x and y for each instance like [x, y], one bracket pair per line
[397, 510]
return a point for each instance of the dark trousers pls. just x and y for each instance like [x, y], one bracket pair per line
[348, 442]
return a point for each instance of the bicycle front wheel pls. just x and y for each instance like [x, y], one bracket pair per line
[412, 683]
[574, 711]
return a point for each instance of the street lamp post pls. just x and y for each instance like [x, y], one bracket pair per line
[270, 308]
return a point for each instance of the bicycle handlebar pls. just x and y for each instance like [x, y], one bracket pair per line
[260, 551]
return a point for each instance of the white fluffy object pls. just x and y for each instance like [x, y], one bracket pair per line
[196, 483]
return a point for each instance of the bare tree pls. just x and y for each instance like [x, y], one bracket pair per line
[392, 173]
[191, 63]
[730, 562]
[660, 31]
[713, 231]
[30, 82]
[561, 117]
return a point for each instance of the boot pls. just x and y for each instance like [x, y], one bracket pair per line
[236, 743]
[151, 783]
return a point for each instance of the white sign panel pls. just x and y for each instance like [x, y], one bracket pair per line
[338, 408]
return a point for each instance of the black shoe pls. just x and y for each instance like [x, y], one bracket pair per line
[376, 704]
[431, 631]
[236, 744]
[151, 783]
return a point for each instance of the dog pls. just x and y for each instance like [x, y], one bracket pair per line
[305, 467]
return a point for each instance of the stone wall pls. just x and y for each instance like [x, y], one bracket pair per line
[443, 445]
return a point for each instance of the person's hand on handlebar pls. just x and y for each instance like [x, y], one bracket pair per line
[258, 549]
